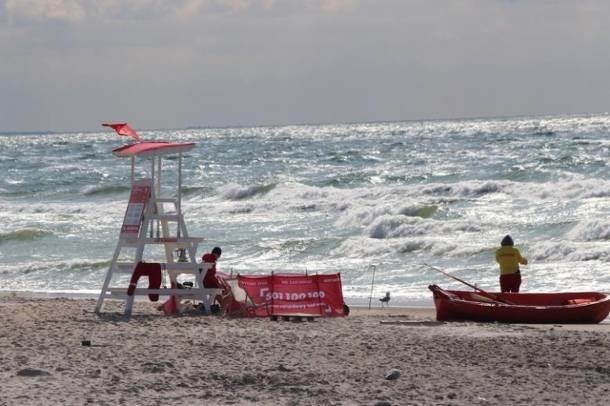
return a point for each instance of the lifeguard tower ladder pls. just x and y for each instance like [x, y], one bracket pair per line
[148, 222]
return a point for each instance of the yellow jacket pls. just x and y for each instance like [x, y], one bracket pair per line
[509, 259]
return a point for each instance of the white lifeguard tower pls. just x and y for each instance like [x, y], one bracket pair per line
[152, 219]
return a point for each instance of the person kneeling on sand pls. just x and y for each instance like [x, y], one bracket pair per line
[509, 259]
[209, 280]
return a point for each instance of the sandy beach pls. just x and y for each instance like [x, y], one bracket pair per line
[395, 356]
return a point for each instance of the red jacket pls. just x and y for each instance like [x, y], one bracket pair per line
[209, 280]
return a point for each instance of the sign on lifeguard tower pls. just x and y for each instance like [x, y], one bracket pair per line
[140, 194]
[148, 220]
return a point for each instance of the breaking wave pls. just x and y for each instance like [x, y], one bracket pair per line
[419, 211]
[238, 192]
[191, 190]
[96, 190]
[551, 251]
[377, 249]
[590, 230]
[565, 189]
[77, 265]
[395, 227]
[24, 235]
[465, 189]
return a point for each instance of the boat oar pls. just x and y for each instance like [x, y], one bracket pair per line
[489, 295]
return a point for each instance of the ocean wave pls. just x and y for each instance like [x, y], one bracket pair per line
[569, 189]
[440, 248]
[240, 210]
[76, 265]
[465, 189]
[546, 251]
[307, 207]
[366, 216]
[85, 265]
[191, 190]
[24, 235]
[419, 211]
[362, 247]
[282, 198]
[290, 247]
[96, 190]
[590, 230]
[52, 211]
[238, 192]
[376, 249]
[363, 216]
[389, 226]
[414, 245]
[563, 189]
[393, 226]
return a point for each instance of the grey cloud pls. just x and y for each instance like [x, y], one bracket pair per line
[37, 10]
[76, 10]
[274, 62]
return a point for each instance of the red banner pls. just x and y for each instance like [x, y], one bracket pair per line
[294, 294]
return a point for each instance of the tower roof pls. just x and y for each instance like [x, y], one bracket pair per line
[153, 148]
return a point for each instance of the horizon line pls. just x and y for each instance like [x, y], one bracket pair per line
[211, 127]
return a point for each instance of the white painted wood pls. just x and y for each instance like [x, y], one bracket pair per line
[155, 229]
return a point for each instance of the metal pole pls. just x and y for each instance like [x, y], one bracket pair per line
[494, 297]
[179, 208]
[159, 176]
[372, 284]
[152, 179]
[159, 195]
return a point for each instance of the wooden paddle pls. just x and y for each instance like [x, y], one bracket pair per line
[489, 295]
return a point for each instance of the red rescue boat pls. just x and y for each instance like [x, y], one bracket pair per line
[538, 308]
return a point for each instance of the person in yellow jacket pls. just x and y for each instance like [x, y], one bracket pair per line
[509, 259]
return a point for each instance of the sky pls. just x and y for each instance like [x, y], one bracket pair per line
[69, 65]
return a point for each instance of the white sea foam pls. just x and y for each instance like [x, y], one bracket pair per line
[361, 247]
[386, 250]
[557, 251]
[590, 230]
[90, 190]
[388, 226]
[238, 192]
[464, 189]
[557, 190]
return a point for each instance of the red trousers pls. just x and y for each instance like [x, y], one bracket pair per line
[153, 271]
[510, 282]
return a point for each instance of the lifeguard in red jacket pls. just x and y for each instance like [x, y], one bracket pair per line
[209, 280]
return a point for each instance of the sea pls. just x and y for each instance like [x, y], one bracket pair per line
[385, 204]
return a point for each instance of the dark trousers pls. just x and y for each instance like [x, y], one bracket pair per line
[510, 282]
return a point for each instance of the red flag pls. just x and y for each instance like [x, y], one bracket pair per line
[124, 129]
